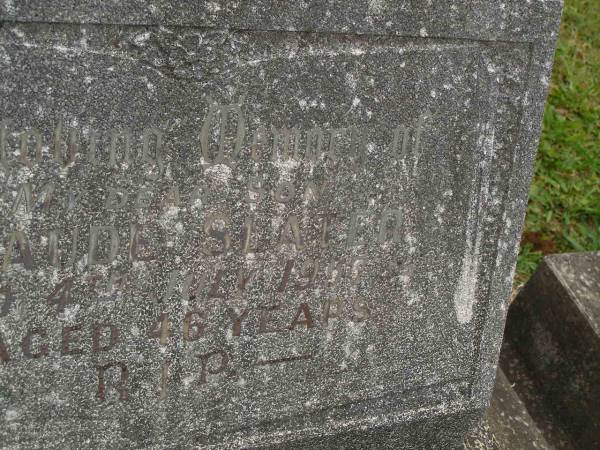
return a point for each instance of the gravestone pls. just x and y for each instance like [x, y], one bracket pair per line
[507, 423]
[260, 223]
[553, 339]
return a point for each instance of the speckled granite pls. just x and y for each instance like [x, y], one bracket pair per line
[260, 223]
[553, 328]
[506, 425]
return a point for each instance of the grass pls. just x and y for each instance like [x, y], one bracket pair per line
[564, 200]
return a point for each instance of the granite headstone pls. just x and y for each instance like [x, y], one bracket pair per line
[260, 223]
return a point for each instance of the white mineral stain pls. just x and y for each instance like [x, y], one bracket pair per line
[351, 80]
[83, 42]
[219, 172]
[9, 6]
[141, 39]
[464, 295]
[17, 32]
[439, 211]
[286, 168]
[423, 32]
[187, 381]
[4, 56]
[11, 414]
[412, 243]
[70, 313]
[376, 6]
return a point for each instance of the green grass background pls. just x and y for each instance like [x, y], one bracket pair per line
[564, 200]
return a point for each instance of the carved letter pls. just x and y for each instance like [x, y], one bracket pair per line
[26, 344]
[289, 265]
[259, 142]
[97, 331]
[214, 289]
[121, 389]
[19, 238]
[115, 136]
[335, 134]
[223, 113]
[92, 149]
[247, 236]
[143, 199]
[72, 146]
[332, 309]
[220, 368]
[53, 252]
[93, 247]
[161, 329]
[255, 190]
[354, 227]
[4, 355]
[186, 289]
[324, 237]
[361, 311]
[309, 273]
[155, 161]
[290, 233]
[172, 198]
[26, 198]
[3, 138]
[67, 340]
[137, 244]
[313, 192]
[288, 139]
[285, 192]
[396, 217]
[305, 311]
[9, 300]
[116, 199]
[401, 150]
[219, 233]
[358, 147]
[243, 279]
[24, 151]
[61, 295]
[193, 329]
[314, 144]
[236, 319]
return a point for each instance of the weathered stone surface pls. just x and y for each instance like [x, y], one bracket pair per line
[528, 390]
[554, 327]
[254, 224]
[506, 424]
